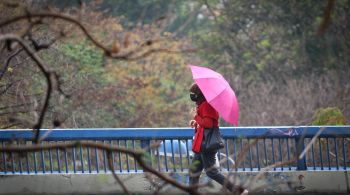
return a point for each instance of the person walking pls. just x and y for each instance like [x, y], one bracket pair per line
[206, 117]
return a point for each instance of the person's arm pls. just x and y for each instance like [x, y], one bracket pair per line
[205, 122]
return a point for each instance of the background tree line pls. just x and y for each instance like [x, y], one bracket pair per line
[286, 60]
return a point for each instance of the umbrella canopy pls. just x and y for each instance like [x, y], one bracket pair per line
[217, 92]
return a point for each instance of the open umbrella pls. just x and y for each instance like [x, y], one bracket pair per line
[217, 92]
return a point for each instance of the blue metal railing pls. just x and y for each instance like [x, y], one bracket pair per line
[246, 149]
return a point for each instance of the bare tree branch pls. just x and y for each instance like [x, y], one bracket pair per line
[326, 18]
[110, 165]
[138, 156]
[109, 52]
[48, 75]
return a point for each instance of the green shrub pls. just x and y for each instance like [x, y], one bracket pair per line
[329, 116]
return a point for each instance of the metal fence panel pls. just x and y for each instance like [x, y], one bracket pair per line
[246, 149]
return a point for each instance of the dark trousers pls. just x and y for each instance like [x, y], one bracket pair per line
[206, 161]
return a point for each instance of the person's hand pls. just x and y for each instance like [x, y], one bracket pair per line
[193, 123]
[193, 112]
[245, 192]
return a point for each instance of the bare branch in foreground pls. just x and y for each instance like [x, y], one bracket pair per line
[138, 156]
[110, 165]
[307, 148]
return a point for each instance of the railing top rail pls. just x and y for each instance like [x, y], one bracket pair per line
[175, 133]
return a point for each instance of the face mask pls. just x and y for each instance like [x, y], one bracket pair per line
[194, 97]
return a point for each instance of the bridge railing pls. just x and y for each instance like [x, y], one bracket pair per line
[246, 149]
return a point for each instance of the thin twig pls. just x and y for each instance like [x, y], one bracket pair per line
[307, 148]
[7, 62]
[302, 154]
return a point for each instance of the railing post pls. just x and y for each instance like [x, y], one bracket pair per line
[299, 145]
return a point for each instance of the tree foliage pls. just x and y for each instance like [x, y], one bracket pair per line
[277, 39]
[271, 45]
[275, 54]
[147, 91]
[329, 116]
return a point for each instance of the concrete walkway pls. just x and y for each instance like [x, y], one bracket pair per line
[294, 182]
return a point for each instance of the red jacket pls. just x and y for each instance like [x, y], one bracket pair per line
[207, 117]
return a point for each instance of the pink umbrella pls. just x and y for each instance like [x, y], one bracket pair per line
[217, 92]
